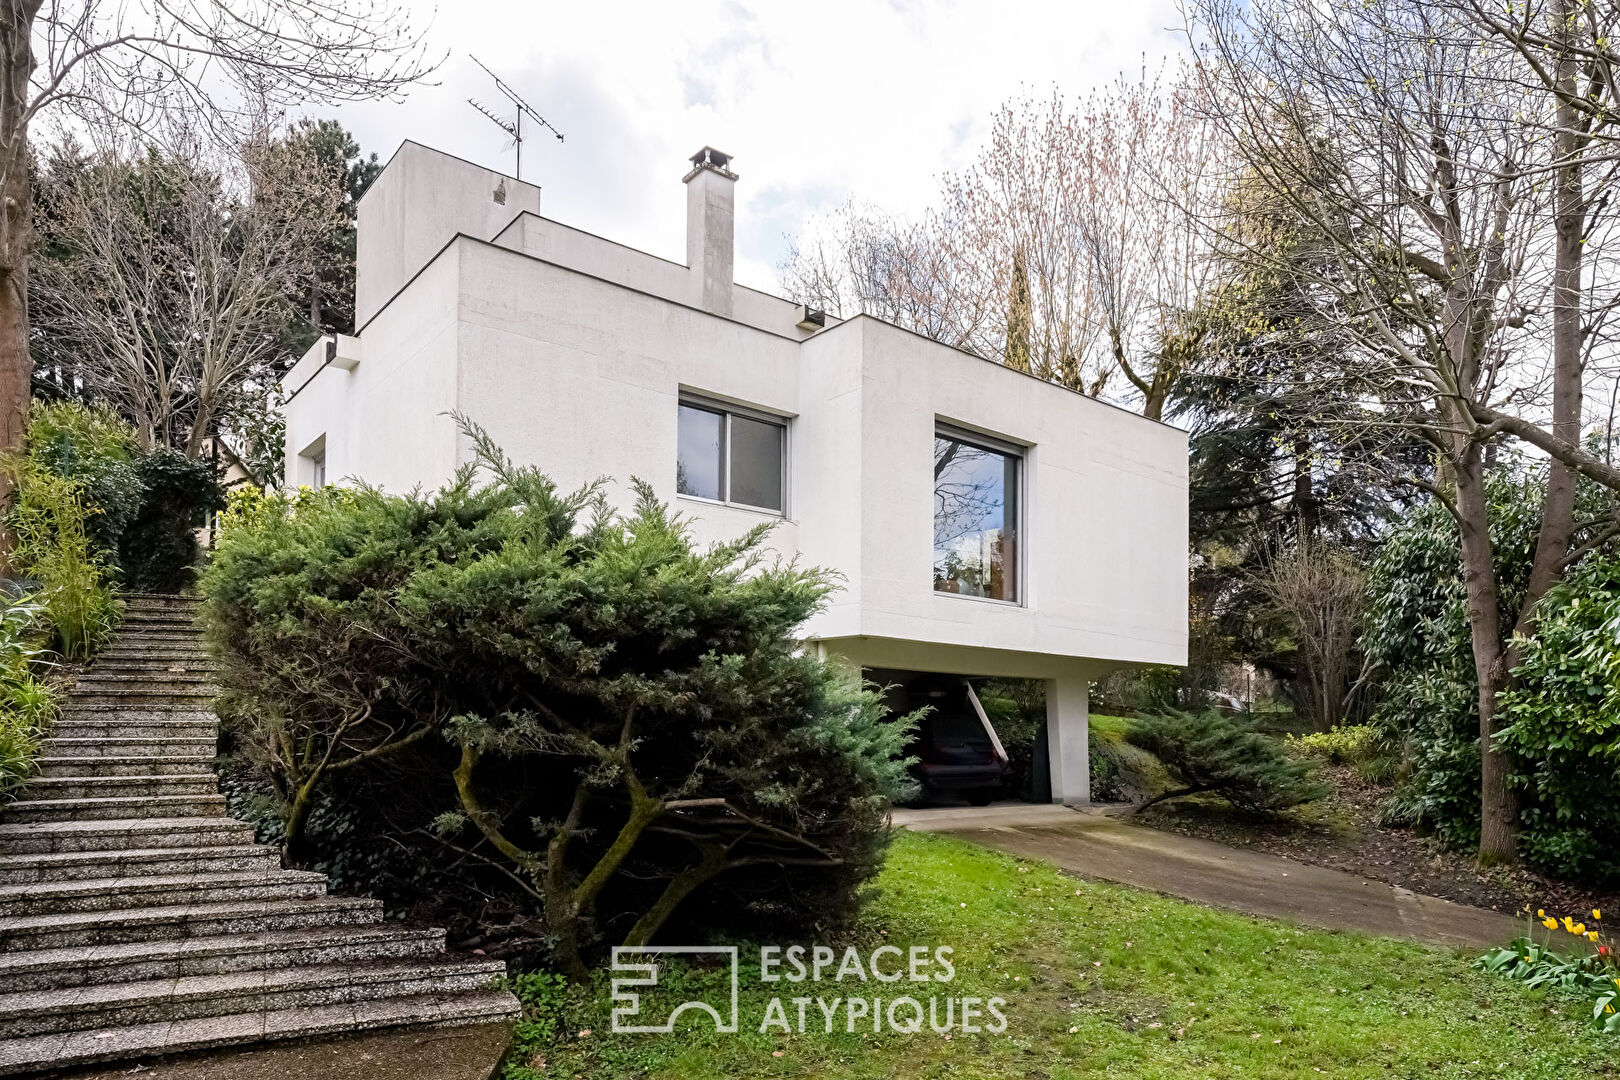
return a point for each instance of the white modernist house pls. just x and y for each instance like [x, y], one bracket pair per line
[985, 522]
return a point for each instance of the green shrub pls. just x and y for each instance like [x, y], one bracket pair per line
[158, 549]
[141, 508]
[26, 703]
[1563, 726]
[1363, 747]
[1210, 752]
[49, 523]
[566, 722]
[1417, 634]
[1560, 708]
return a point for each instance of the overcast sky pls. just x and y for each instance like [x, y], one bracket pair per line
[816, 102]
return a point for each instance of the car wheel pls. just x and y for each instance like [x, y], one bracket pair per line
[981, 796]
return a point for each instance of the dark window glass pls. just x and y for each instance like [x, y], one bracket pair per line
[756, 463]
[729, 458]
[975, 520]
[701, 453]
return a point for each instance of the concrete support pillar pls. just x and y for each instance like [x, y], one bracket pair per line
[1067, 721]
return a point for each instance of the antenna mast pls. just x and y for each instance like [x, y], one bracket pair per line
[520, 109]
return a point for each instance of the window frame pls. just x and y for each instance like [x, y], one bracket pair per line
[1019, 452]
[726, 410]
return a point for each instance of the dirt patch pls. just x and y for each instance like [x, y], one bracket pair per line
[1341, 832]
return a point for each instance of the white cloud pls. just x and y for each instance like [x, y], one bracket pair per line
[817, 102]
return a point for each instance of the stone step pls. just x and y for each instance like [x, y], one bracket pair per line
[61, 788]
[98, 681]
[135, 862]
[142, 615]
[19, 1056]
[183, 695]
[20, 933]
[170, 632]
[163, 890]
[189, 612]
[142, 644]
[154, 660]
[116, 806]
[193, 709]
[267, 950]
[108, 746]
[164, 636]
[100, 1007]
[153, 666]
[184, 728]
[121, 834]
[127, 765]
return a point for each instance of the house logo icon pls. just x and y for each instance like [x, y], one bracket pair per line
[640, 965]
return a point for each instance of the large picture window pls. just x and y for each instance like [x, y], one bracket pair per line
[975, 517]
[730, 456]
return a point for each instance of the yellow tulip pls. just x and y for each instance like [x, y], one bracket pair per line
[1596, 914]
[1549, 924]
[1540, 914]
[1592, 936]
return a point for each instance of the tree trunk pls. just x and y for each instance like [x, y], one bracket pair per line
[297, 815]
[1499, 814]
[1569, 220]
[1304, 493]
[682, 885]
[16, 219]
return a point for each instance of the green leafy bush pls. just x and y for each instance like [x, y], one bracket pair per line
[1210, 752]
[27, 704]
[140, 509]
[158, 548]
[568, 722]
[1363, 747]
[1417, 634]
[49, 521]
[1563, 726]
[1560, 709]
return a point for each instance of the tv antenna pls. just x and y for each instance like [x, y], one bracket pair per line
[520, 109]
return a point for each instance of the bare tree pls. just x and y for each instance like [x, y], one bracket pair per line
[1409, 141]
[133, 62]
[1319, 595]
[1156, 173]
[1071, 248]
[174, 275]
[862, 260]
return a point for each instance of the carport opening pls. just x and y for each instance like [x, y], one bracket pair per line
[982, 739]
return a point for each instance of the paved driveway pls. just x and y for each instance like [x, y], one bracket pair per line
[1096, 845]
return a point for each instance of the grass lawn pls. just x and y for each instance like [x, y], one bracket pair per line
[1099, 981]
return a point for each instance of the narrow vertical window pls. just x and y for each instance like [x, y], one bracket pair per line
[700, 468]
[975, 518]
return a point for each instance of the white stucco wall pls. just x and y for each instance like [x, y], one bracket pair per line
[582, 377]
[422, 199]
[381, 420]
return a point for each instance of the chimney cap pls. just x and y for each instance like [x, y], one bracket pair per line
[710, 158]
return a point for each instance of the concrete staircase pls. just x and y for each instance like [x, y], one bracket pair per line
[136, 919]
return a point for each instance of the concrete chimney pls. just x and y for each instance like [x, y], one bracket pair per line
[710, 214]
